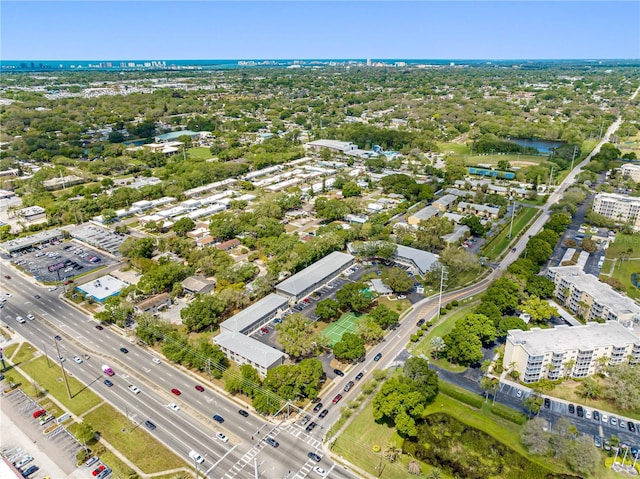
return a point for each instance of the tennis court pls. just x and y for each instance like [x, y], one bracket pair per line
[346, 324]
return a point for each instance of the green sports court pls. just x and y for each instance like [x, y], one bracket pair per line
[346, 324]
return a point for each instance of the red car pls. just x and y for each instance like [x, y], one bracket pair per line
[98, 470]
[199, 388]
[7, 276]
[337, 399]
[176, 391]
[38, 413]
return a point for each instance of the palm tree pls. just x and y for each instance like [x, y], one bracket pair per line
[434, 473]
[568, 367]
[414, 468]
[392, 452]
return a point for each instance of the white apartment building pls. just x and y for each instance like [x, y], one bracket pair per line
[631, 171]
[569, 351]
[586, 296]
[620, 208]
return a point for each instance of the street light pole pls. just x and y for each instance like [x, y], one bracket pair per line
[513, 209]
[64, 373]
[575, 150]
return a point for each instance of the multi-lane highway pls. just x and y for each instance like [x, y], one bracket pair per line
[189, 428]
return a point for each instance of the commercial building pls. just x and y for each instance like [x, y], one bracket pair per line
[41, 237]
[102, 288]
[62, 182]
[569, 351]
[311, 278]
[631, 171]
[585, 296]
[333, 145]
[620, 208]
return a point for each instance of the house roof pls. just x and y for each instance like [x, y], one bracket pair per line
[318, 271]
[426, 213]
[196, 283]
[254, 313]
[249, 348]
[153, 301]
[422, 259]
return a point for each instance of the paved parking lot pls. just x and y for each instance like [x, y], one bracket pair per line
[22, 434]
[60, 261]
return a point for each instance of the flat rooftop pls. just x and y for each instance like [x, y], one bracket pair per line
[316, 273]
[249, 348]
[103, 287]
[537, 341]
[254, 313]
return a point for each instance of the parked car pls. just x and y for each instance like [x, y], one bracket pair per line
[91, 461]
[580, 411]
[572, 409]
[305, 420]
[547, 403]
[310, 427]
[38, 413]
[30, 470]
[596, 416]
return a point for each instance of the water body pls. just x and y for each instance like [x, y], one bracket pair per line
[543, 146]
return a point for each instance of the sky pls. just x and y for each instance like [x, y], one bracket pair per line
[182, 30]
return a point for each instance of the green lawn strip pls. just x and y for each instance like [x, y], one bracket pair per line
[624, 244]
[459, 148]
[493, 160]
[9, 350]
[199, 153]
[49, 378]
[397, 305]
[135, 444]
[498, 243]
[567, 390]
[623, 271]
[24, 354]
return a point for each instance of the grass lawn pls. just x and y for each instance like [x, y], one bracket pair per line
[624, 244]
[199, 153]
[623, 271]
[514, 159]
[500, 242]
[136, 444]
[397, 305]
[24, 354]
[50, 379]
[442, 329]
[9, 350]
[567, 390]
[459, 148]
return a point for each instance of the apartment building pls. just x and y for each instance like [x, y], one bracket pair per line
[620, 208]
[585, 296]
[631, 171]
[569, 351]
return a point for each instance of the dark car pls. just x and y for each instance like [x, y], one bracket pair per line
[317, 407]
[323, 413]
[338, 372]
[218, 418]
[99, 328]
[596, 416]
[124, 350]
[377, 357]
[359, 376]
[631, 426]
[305, 420]
[29, 471]
[314, 456]
[199, 388]
[420, 322]
[349, 385]
[244, 413]
[547, 403]
[580, 411]
[572, 409]
[37, 296]
[57, 337]
[336, 399]
[108, 383]
[272, 442]
[310, 427]
[150, 425]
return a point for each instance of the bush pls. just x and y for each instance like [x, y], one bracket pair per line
[414, 338]
[443, 311]
[509, 414]
[460, 394]
[448, 307]
[455, 303]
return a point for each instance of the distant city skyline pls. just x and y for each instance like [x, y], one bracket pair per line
[121, 30]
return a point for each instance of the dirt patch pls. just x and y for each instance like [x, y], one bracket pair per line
[523, 163]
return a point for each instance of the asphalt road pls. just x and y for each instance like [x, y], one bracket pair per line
[192, 427]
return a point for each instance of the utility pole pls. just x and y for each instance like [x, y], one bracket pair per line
[443, 277]
[513, 209]
[64, 373]
[575, 150]
[44, 347]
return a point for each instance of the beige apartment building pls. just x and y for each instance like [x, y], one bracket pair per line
[631, 171]
[586, 296]
[569, 351]
[620, 208]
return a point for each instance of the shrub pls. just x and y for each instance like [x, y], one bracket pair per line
[443, 311]
[509, 414]
[448, 307]
[461, 395]
[414, 338]
[455, 303]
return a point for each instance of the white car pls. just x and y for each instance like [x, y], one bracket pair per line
[605, 418]
[53, 288]
[222, 437]
[320, 471]
[174, 406]
[77, 359]
[20, 319]
[133, 389]
[155, 360]
[31, 316]
[8, 295]
[24, 461]
[62, 359]
[587, 414]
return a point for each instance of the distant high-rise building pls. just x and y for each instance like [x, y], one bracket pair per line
[368, 62]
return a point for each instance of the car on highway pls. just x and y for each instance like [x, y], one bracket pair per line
[199, 388]
[323, 413]
[99, 328]
[108, 383]
[52, 288]
[57, 337]
[318, 470]
[156, 361]
[133, 389]
[8, 295]
[314, 456]
[196, 457]
[222, 437]
[107, 370]
[150, 425]
[218, 418]
[36, 296]
[377, 357]
[124, 350]
[317, 407]
[31, 317]
[62, 359]
[348, 386]
[336, 399]
[271, 441]
[30, 470]
[20, 319]
[77, 359]
[310, 426]
[174, 407]
[6, 276]
[243, 413]
[338, 372]
[359, 376]
[175, 391]
[305, 420]
[38, 413]
[421, 321]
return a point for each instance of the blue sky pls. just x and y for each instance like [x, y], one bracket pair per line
[125, 30]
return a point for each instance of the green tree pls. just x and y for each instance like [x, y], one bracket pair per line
[350, 189]
[397, 279]
[510, 322]
[535, 436]
[474, 224]
[202, 312]
[437, 346]
[463, 346]
[539, 309]
[183, 226]
[538, 250]
[85, 433]
[137, 248]
[540, 286]
[384, 317]
[351, 296]
[350, 348]
[327, 309]
[247, 382]
[369, 330]
[589, 245]
[297, 336]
